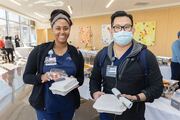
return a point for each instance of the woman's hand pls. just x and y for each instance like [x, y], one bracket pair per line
[55, 76]
[45, 77]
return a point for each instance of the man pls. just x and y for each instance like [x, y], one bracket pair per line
[175, 64]
[119, 66]
[9, 48]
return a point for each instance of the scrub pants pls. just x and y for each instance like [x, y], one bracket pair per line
[106, 116]
[175, 70]
[64, 115]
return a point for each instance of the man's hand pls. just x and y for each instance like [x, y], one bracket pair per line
[97, 94]
[139, 97]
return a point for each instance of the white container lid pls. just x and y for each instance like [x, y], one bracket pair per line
[109, 103]
[64, 85]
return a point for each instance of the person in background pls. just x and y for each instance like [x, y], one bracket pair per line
[118, 66]
[1, 43]
[60, 55]
[2, 48]
[9, 48]
[17, 40]
[175, 63]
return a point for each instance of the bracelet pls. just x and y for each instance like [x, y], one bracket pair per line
[138, 98]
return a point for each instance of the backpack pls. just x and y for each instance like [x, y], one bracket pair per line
[143, 61]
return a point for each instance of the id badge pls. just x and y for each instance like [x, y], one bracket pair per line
[111, 71]
[50, 61]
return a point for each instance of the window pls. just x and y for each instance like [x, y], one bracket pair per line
[13, 17]
[33, 37]
[13, 29]
[12, 24]
[2, 14]
[25, 34]
[24, 21]
[3, 30]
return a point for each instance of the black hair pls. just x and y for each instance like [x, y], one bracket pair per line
[178, 34]
[8, 38]
[121, 14]
[55, 12]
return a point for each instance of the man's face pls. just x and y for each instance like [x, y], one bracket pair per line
[122, 24]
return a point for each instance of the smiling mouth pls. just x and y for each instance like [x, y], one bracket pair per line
[62, 37]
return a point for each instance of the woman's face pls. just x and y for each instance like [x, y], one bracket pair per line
[61, 30]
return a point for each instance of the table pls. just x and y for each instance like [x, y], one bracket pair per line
[165, 71]
[23, 51]
[160, 109]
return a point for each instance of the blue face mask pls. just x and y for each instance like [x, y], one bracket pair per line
[122, 38]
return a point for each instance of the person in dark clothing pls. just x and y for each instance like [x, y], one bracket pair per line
[9, 48]
[17, 40]
[63, 56]
[118, 66]
[175, 63]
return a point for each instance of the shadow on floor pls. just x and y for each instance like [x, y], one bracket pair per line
[21, 110]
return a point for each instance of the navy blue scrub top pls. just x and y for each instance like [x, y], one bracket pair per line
[57, 103]
[117, 61]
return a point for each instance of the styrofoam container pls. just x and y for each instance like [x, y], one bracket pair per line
[109, 103]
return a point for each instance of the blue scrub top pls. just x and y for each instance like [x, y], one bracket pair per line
[117, 61]
[57, 103]
[176, 51]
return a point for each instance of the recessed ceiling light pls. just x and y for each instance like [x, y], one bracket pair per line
[141, 3]
[54, 4]
[70, 9]
[15, 2]
[110, 2]
[44, 1]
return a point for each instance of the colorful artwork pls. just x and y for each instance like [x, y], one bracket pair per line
[85, 36]
[106, 34]
[145, 32]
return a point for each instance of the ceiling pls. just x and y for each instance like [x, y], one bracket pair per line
[41, 9]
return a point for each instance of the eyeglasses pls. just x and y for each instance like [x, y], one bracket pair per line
[118, 28]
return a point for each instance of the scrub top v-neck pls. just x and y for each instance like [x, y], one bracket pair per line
[117, 61]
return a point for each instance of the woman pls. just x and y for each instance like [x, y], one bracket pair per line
[60, 55]
[17, 40]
